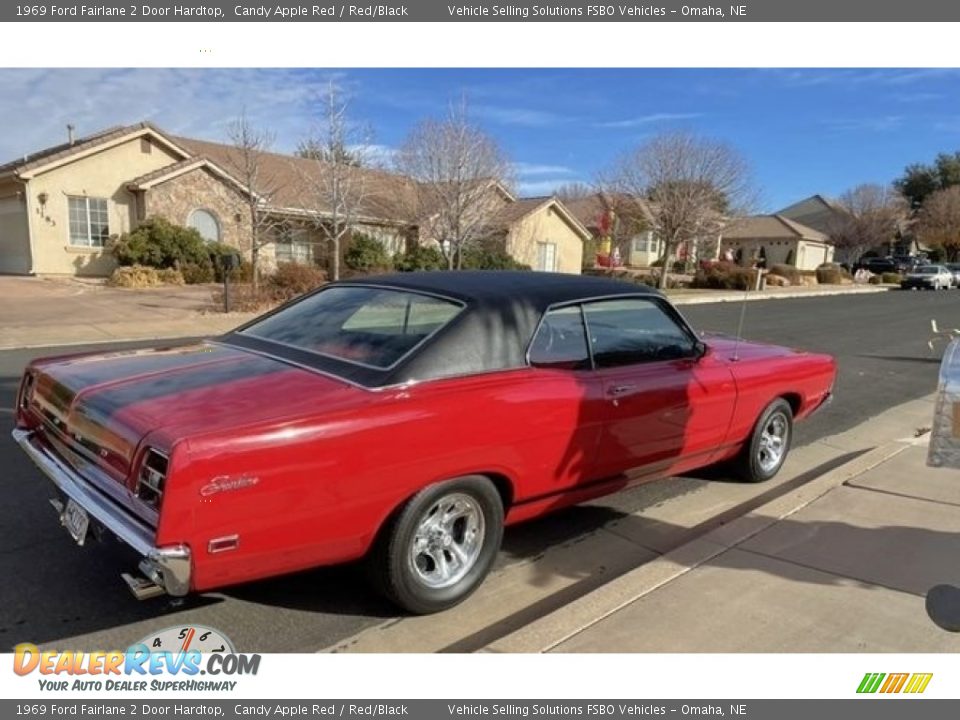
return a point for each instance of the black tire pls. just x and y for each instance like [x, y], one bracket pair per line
[409, 568]
[756, 462]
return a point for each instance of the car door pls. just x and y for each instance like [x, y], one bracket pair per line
[669, 401]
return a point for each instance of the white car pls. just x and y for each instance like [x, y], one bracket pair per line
[928, 277]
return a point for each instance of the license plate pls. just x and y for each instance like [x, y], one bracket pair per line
[76, 521]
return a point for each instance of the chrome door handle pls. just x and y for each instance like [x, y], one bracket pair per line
[619, 390]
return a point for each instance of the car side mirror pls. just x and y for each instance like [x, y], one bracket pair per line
[700, 350]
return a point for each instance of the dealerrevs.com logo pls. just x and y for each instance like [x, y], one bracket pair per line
[173, 659]
[890, 683]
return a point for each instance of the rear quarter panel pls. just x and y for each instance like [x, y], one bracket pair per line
[317, 490]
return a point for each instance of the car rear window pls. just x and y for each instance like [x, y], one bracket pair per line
[370, 326]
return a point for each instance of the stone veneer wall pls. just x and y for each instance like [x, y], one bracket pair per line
[199, 190]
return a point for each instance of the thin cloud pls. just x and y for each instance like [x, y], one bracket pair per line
[535, 188]
[525, 117]
[647, 120]
[527, 169]
[883, 123]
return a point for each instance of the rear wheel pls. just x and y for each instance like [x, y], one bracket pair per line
[764, 455]
[440, 545]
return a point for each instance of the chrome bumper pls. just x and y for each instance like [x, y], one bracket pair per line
[168, 567]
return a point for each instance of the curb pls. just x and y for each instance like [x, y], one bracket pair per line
[546, 633]
[754, 296]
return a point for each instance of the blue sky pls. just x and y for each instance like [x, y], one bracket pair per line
[801, 130]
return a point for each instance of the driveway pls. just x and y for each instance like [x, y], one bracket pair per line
[42, 311]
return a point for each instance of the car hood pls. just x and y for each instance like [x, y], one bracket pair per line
[103, 405]
[920, 276]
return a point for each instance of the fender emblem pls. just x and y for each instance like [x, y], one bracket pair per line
[224, 483]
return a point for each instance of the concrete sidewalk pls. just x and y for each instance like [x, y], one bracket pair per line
[841, 564]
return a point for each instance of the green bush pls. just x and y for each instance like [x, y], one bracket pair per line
[366, 254]
[875, 280]
[419, 257]
[724, 276]
[195, 273]
[170, 276]
[292, 279]
[158, 243]
[786, 271]
[889, 278]
[482, 259]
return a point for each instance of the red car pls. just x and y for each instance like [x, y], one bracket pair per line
[405, 419]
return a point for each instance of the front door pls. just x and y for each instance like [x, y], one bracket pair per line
[668, 409]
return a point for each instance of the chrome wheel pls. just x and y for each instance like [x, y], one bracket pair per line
[773, 442]
[447, 541]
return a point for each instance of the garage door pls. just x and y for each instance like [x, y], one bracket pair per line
[14, 237]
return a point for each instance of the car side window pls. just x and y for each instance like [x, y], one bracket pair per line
[635, 330]
[561, 341]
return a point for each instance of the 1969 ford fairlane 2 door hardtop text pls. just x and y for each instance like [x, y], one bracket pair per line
[404, 419]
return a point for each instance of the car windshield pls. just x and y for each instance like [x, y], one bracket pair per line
[371, 326]
[927, 270]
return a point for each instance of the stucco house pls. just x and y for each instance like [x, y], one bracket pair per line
[775, 239]
[60, 206]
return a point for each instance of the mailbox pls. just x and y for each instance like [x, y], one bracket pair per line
[945, 435]
[229, 262]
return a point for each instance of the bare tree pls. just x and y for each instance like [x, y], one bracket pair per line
[247, 162]
[693, 186]
[938, 222]
[575, 191]
[457, 169]
[872, 215]
[335, 186]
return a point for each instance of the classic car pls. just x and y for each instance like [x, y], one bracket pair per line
[928, 277]
[404, 419]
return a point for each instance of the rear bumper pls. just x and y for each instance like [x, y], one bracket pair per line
[168, 567]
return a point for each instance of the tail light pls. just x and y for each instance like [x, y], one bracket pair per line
[26, 388]
[152, 477]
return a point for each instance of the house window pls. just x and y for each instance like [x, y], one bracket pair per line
[89, 226]
[645, 242]
[546, 256]
[294, 246]
[205, 223]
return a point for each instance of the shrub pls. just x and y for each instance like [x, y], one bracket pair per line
[292, 279]
[481, 259]
[169, 276]
[419, 257]
[889, 278]
[724, 276]
[831, 274]
[366, 254]
[194, 273]
[786, 271]
[158, 243]
[141, 276]
[875, 280]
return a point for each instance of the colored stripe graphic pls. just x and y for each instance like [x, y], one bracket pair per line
[894, 683]
[870, 682]
[918, 682]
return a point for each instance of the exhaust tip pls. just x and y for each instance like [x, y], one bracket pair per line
[141, 587]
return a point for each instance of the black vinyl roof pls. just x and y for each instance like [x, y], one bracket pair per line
[502, 310]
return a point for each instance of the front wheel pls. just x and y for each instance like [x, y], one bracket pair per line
[440, 545]
[764, 454]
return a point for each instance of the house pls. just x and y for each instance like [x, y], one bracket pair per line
[628, 225]
[775, 239]
[541, 232]
[60, 206]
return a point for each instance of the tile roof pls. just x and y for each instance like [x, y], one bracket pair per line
[772, 226]
[64, 150]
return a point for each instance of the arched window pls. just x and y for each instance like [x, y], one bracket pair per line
[205, 222]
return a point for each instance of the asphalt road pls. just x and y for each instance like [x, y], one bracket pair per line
[54, 592]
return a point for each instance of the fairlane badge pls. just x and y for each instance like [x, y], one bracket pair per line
[223, 483]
